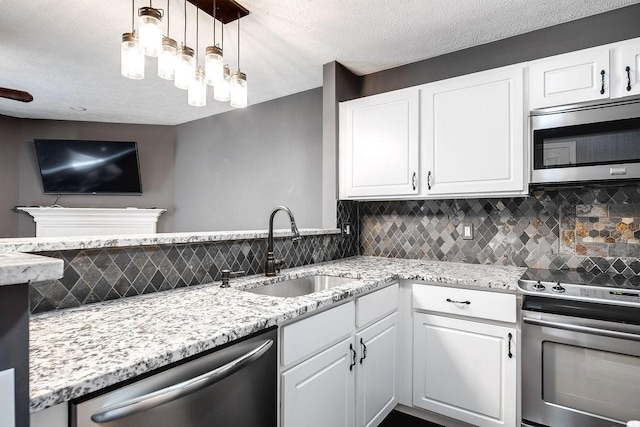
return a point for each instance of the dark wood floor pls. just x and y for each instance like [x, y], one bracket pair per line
[399, 419]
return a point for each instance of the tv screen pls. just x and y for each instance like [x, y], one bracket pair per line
[88, 167]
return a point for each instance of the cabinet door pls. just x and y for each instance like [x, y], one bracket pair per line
[570, 78]
[377, 371]
[629, 78]
[319, 391]
[462, 369]
[473, 134]
[379, 145]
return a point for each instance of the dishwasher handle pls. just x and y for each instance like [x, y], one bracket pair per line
[176, 391]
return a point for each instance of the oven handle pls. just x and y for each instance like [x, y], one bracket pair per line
[176, 391]
[585, 329]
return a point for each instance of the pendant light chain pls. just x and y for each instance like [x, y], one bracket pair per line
[168, 35]
[238, 41]
[133, 16]
[214, 22]
[184, 39]
[197, 29]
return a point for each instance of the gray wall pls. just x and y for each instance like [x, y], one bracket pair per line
[9, 160]
[155, 148]
[617, 25]
[232, 169]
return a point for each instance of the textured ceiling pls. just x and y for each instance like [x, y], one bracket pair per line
[67, 52]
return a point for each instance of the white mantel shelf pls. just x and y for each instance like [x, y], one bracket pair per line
[47, 244]
[65, 222]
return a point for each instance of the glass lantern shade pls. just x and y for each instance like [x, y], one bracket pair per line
[222, 89]
[185, 68]
[213, 65]
[167, 59]
[238, 90]
[131, 57]
[150, 30]
[197, 95]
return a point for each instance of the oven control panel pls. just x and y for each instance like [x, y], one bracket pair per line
[592, 293]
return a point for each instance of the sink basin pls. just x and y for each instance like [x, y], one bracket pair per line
[301, 286]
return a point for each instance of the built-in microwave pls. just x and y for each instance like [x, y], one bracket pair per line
[596, 143]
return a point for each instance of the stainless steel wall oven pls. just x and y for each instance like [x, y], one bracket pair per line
[580, 349]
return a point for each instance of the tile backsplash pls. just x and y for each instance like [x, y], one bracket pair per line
[592, 229]
[94, 275]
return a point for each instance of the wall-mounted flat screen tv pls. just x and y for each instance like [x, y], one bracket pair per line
[88, 167]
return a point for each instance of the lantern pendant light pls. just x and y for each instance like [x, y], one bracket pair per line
[197, 95]
[167, 56]
[150, 29]
[131, 52]
[185, 61]
[213, 60]
[238, 82]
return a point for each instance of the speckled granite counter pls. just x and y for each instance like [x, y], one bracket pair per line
[77, 351]
[45, 244]
[22, 268]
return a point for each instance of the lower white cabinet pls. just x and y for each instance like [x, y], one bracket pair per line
[353, 382]
[464, 367]
[377, 371]
[319, 392]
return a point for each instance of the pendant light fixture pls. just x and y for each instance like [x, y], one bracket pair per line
[185, 61]
[131, 53]
[213, 60]
[197, 94]
[167, 56]
[150, 29]
[238, 82]
[222, 88]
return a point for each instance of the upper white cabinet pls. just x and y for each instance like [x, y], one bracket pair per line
[570, 78]
[473, 135]
[603, 72]
[379, 142]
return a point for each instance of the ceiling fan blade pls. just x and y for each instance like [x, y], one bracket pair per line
[16, 95]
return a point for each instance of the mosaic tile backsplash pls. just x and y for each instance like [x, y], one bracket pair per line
[592, 229]
[96, 275]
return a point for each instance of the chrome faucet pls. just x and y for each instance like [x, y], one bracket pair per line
[273, 265]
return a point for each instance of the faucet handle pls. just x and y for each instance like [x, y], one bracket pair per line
[226, 275]
[278, 265]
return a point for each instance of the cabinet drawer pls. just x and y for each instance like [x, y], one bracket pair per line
[376, 305]
[482, 304]
[303, 338]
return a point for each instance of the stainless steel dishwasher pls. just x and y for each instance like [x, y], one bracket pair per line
[235, 386]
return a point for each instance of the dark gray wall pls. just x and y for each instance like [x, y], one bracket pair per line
[155, 148]
[232, 169]
[9, 160]
[617, 25]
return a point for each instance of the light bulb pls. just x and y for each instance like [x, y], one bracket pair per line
[238, 90]
[213, 65]
[150, 30]
[185, 68]
[167, 59]
[222, 89]
[197, 96]
[131, 57]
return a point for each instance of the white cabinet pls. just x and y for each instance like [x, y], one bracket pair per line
[377, 371]
[569, 78]
[349, 382]
[464, 362]
[319, 391]
[599, 73]
[379, 145]
[473, 135]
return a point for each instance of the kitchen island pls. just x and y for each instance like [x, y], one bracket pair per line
[77, 351]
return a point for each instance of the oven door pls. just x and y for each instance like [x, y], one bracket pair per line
[579, 372]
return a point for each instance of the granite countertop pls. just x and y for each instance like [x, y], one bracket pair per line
[77, 351]
[16, 268]
[45, 244]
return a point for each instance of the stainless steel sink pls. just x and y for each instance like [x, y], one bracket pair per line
[301, 286]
